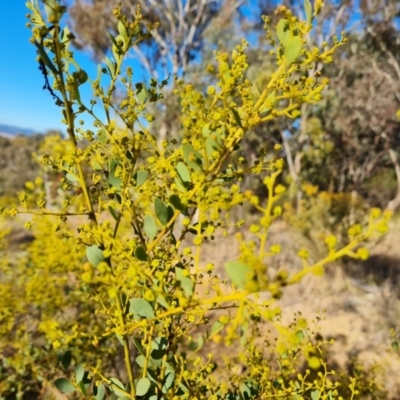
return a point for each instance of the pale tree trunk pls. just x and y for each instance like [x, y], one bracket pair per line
[394, 204]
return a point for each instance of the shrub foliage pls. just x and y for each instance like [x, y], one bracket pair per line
[114, 298]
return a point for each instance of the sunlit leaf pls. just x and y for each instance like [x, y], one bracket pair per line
[192, 157]
[114, 181]
[293, 49]
[79, 372]
[185, 281]
[150, 226]
[143, 386]
[94, 255]
[141, 177]
[308, 11]
[118, 387]
[142, 93]
[238, 272]
[169, 380]
[315, 394]
[183, 172]
[100, 392]
[283, 31]
[141, 308]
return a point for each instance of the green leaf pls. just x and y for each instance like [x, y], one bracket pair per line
[315, 394]
[238, 272]
[206, 131]
[308, 11]
[269, 102]
[113, 213]
[176, 201]
[141, 308]
[118, 387]
[216, 327]
[142, 93]
[159, 343]
[82, 386]
[79, 373]
[395, 345]
[150, 226]
[192, 157]
[143, 386]
[140, 253]
[113, 180]
[80, 77]
[64, 385]
[94, 255]
[212, 146]
[169, 381]
[140, 177]
[140, 360]
[183, 172]
[111, 66]
[159, 348]
[161, 211]
[122, 30]
[300, 335]
[120, 339]
[161, 300]
[293, 49]
[185, 281]
[180, 185]
[45, 58]
[283, 31]
[101, 392]
[237, 117]
[72, 177]
[66, 359]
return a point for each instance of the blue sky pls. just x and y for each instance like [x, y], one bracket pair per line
[22, 101]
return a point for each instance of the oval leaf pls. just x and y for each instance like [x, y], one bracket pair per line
[64, 385]
[142, 93]
[150, 226]
[169, 380]
[308, 11]
[283, 31]
[79, 373]
[161, 211]
[315, 394]
[141, 177]
[101, 392]
[293, 49]
[185, 281]
[66, 359]
[143, 386]
[141, 308]
[192, 157]
[94, 255]
[140, 253]
[118, 387]
[238, 272]
[183, 172]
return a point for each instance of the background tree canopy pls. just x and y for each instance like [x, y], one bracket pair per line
[352, 136]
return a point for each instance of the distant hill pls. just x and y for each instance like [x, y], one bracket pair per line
[11, 131]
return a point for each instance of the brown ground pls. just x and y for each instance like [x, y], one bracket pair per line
[361, 302]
